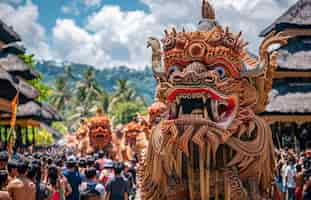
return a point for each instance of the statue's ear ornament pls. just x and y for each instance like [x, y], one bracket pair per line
[157, 65]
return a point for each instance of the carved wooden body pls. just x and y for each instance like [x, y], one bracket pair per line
[209, 142]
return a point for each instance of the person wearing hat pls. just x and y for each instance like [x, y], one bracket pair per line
[73, 177]
[107, 172]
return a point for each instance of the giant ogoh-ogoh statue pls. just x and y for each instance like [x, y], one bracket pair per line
[209, 142]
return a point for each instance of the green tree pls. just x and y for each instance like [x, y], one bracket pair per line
[123, 92]
[37, 83]
[61, 94]
[43, 137]
[87, 89]
[60, 127]
[69, 73]
[124, 112]
[87, 97]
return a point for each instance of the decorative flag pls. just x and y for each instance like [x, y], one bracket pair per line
[11, 136]
[14, 105]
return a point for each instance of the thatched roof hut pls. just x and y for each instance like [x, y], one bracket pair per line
[13, 48]
[9, 86]
[36, 111]
[289, 108]
[15, 66]
[297, 16]
[7, 34]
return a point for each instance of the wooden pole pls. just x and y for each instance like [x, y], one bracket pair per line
[227, 189]
[216, 185]
[202, 173]
[208, 171]
[190, 174]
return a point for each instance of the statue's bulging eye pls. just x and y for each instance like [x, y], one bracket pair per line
[173, 69]
[221, 71]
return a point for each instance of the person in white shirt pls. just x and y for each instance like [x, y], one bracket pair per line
[283, 175]
[290, 174]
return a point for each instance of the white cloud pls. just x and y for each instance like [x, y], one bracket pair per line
[112, 37]
[76, 7]
[24, 20]
[13, 2]
[249, 16]
[92, 2]
[70, 9]
[76, 44]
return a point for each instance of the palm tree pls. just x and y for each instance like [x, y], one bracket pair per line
[88, 96]
[60, 94]
[122, 92]
[68, 73]
[88, 89]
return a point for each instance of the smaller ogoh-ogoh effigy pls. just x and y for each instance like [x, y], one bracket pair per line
[95, 134]
[209, 143]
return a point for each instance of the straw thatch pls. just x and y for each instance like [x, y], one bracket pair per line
[298, 14]
[41, 112]
[37, 111]
[12, 48]
[7, 34]
[289, 103]
[10, 85]
[17, 67]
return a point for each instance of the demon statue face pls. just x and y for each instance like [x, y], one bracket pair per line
[208, 142]
[131, 131]
[99, 131]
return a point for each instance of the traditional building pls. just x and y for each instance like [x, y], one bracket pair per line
[14, 77]
[289, 108]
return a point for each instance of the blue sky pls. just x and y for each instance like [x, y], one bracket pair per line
[108, 33]
[50, 10]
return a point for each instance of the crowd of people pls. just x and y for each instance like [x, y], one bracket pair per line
[60, 175]
[293, 175]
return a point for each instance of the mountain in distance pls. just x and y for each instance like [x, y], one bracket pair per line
[141, 80]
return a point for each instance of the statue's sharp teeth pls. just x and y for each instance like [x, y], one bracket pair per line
[214, 106]
[174, 108]
[205, 112]
[178, 100]
[223, 115]
[204, 99]
[180, 111]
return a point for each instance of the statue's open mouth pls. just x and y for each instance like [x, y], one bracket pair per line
[203, 103]
[102, 138]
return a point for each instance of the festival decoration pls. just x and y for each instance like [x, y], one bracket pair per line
[208, 141]
[94, 133]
